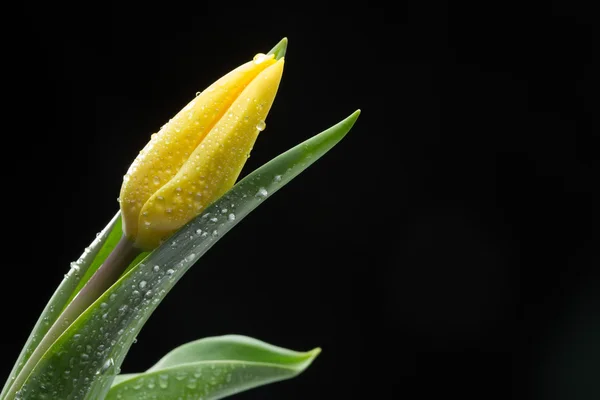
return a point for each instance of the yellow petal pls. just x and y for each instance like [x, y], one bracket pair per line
[214, 166]
[170, 148]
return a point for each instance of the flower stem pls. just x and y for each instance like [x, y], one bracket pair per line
[108, 273]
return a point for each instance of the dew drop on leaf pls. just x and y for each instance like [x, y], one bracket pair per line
[163, 381]
[262, 192]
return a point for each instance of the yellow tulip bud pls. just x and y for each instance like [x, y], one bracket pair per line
[197, 156]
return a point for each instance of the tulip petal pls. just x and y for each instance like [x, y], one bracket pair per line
[214, 166]
[170, 148]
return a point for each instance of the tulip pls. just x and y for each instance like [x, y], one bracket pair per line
[192, 161]
[197, 156]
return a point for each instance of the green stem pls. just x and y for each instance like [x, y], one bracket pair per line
[112, 268]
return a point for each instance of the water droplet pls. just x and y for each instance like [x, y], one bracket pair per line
[223, 211]
[261, 125]
[149, 293]
[277, 178]
[262, 192]
[147, 223]
[192, 383]
[190, 257]
[215, 233]
[160, 197]
[169, 210]
[180, 375]
[259, 58]
[214, 219]
[198, 93]
[156, 268]
[107, 365]
[198, 231]
[231, 217]
[103, 305]
[142, 284]
[156, 180]
[170, 271]
[178, 189]
[163, 381]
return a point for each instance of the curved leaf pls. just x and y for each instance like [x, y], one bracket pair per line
[64, 293]
[213, 368]
[232, 347]
[89, 354]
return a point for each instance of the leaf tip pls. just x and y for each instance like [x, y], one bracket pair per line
[315, 352]
[279, 49]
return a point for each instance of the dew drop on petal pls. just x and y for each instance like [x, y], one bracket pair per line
[261, 125]
[259, 58]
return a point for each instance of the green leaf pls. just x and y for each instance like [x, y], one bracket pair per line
[83, 362]
[279, 49]
[212, 368]
[64, 293]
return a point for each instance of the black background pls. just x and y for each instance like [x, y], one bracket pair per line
[448, 246]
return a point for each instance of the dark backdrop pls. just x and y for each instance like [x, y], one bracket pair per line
[447, 247]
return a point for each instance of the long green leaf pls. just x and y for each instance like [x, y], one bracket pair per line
[83, 362]
[212, 368]
[63, 294]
